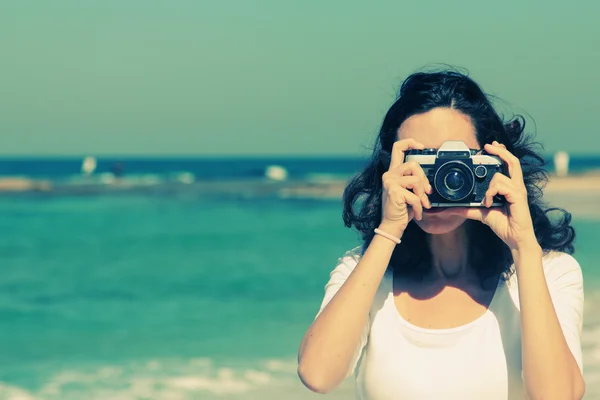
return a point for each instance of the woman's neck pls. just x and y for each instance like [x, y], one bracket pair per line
[450, 255]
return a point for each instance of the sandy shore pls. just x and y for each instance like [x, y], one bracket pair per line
[580, 195]
[23, 185]
[586, 183]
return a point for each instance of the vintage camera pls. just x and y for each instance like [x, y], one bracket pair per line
[459, 176]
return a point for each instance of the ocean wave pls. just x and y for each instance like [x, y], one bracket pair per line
[167, 379]
[205, 378]
[590, 343]
[108, 178]
[211, 379]
[186, 184]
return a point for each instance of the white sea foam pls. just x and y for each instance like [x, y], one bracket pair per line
[8, 392]
[281, 365]
[201, 362]
[590, 342]
[156, 379]
[209, 379]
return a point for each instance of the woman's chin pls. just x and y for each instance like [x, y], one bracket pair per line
[437, 223]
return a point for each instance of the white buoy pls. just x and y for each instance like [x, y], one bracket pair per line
[561, 163]
[276, 173]
[89, 165]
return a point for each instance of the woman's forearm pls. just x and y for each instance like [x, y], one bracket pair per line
[329, 344]
[549, 369]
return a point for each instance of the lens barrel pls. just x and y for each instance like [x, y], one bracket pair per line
[454, 180]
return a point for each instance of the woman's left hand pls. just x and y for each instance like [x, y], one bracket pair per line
[512, 223]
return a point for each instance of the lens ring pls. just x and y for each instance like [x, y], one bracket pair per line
[449, 190]
[454, 180]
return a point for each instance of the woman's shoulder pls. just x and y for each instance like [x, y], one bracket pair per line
[558, 264]
[348, 260]
[560, 269]
[354, 253]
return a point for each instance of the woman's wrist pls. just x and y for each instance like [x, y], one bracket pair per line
[391, 229]
[527, 248]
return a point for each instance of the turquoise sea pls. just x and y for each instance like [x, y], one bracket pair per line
[176, 297]
[131, 297]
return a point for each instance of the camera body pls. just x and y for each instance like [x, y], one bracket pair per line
[458, 175]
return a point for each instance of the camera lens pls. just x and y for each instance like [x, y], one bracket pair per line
[454, 181]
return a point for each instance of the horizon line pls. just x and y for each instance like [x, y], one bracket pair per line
[222, 156]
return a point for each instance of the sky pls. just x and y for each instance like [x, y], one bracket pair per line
[252, 78]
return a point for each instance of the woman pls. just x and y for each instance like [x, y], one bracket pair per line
[473, 303]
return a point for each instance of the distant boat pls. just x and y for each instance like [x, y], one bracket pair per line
[276, 173]
[89, 165]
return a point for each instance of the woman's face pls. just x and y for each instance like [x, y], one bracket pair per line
[432, 129]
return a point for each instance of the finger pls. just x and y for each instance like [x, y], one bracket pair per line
[414, 168]
[414, 183]
[474, 213]
[411, 214]
[503, 188]
[414, 201]
[513, 163]
[500, 177]
[488, 197]
[411, 182]
[418, 190]
[399, 148]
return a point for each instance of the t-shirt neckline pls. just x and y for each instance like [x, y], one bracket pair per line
[443, 331]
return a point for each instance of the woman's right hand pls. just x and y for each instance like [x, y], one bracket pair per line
[396, 196]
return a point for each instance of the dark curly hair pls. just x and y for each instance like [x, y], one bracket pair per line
[419, 93]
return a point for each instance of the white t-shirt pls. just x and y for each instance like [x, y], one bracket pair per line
[479, 360]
